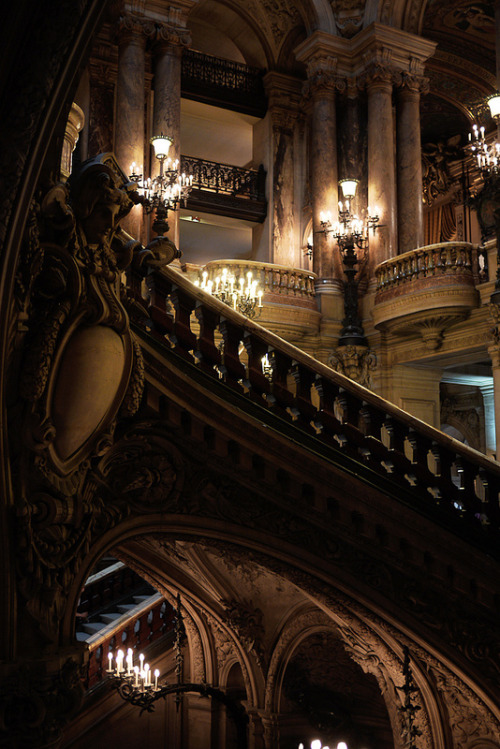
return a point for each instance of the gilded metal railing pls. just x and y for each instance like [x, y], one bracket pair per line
[209, 78]
[225, 179]
[415, 463]
[457, 259]
[273, 279]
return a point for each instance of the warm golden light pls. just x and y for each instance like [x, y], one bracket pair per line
[161, 143]
[494, 105]
[348, 187]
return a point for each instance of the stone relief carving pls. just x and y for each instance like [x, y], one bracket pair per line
[78, 372]
[355, 362]
[436, 158]
[348, 16]
[247, 621]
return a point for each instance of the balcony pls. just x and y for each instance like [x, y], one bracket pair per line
[223, 83]
[427, 290]
[290, 308]
[226, 190]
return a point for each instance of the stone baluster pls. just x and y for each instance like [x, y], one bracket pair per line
[171, 39]
[133, 32]
[409, 163]
[381, 164]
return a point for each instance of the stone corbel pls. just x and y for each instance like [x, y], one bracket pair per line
[355, 362]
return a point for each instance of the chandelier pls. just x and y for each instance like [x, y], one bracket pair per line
[317, 744]
[351, 233]
[350, 230]
[168, 189]
[243, 294]
[486, 155]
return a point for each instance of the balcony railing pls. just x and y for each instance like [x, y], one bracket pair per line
[226, 189]
[411, 461]
[223, 82]
[456, 259]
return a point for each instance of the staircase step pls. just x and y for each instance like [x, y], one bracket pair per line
[125, 607]
[108, 618]
[92, 627]
[81, 636]
[140, 599]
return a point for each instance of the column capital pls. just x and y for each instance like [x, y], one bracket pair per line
[379, 76]
[409, 85]
[284, 97]
[134, 29]
[168, 35]
[323, 78]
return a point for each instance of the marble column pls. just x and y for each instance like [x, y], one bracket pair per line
[409, 164]
[381, 165]
[284, 94]
[167, 51]
[133, 33]
[323, 169]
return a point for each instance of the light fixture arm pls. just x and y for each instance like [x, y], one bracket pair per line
[137, 687]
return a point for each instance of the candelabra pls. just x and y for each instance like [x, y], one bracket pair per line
[166, 191]
[243, 295]
[137, 684]
[486, 161]
[317, 744]
[351, 233]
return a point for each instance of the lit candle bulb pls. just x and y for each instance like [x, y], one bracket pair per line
[136, 672]
[130, 661]
[141, 660]
[157, 673]
[147, 675]
[110, 659]
[316, 744]
[342, 745]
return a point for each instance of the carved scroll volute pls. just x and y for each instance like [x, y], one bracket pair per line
[79, 354]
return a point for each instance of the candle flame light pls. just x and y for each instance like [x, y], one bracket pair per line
[242, 293]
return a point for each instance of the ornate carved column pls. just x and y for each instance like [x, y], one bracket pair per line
[409, 163]
[381, 164]
[284, 100]
[133, 32]
[170, 41]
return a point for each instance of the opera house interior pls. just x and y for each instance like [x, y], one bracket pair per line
[250, 372]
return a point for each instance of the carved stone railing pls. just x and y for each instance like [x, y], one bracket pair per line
[218, 81]
[413, 462]
[226, 189]
[427, 290]
[456, 259]
[273, 279]
[290, 307]
[137, 630]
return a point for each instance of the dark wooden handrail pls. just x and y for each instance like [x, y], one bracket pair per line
[442, 476]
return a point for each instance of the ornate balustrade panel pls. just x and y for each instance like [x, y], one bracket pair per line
[409, 460]
[427, 290]
[136, 631]
[457, 259]
[215, 81]
[226, 190]
[225, 179]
